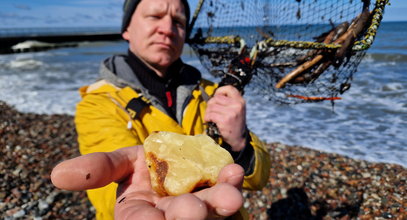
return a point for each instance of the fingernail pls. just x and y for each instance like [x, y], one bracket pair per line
[224, 212]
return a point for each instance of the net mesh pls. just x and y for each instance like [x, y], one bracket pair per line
[296, 50]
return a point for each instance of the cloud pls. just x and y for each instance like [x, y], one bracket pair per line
[80, 16]
[6, 15]
[22, 6]
[13, 19]
[15, 16]
[62, 14]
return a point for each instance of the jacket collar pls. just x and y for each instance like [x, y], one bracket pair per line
[117, 71]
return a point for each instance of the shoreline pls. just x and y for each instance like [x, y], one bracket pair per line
[304, 183]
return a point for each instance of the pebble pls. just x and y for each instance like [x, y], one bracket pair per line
[19, 214]
[303, 183]
[42, 205]
[30, 146]
[332, 187]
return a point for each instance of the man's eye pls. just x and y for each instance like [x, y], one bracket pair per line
[154, 16]
[179, 23]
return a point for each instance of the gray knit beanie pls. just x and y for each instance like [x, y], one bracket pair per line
[130, 6]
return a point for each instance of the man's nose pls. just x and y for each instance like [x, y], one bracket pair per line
[167, 26]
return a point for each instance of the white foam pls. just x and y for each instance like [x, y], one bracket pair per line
[25, 64]
[30, 44]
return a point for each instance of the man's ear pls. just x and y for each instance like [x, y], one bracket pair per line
[126, 35]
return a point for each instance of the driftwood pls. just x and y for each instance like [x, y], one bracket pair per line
[299, 70]
[345, 39]
[349, 37]
[312, 76]
[330, 37]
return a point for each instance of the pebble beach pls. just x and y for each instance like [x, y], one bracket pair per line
[304, 183]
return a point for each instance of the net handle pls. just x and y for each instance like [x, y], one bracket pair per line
[194, 17]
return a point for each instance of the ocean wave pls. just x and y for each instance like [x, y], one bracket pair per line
[384, 57]
[32, 45]
[26, 64]
[394, 86]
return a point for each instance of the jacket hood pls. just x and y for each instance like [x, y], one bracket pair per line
[118, 72]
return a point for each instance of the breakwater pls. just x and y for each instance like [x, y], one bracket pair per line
[38, 39]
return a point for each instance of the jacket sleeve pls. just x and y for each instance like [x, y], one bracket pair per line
[99, 127]
[261, 167]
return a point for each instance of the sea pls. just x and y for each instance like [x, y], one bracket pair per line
[369, 122]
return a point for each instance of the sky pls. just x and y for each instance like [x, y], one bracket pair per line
[101, 13]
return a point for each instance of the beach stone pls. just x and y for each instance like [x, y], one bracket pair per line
[42, 205]
[336, 187]
[26, 162]
[19, 214]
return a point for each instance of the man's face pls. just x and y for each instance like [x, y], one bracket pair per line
[156, 32]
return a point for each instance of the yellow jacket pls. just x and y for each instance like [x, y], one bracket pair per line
[104, 124]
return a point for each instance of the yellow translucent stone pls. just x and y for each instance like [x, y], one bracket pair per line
[181, 164]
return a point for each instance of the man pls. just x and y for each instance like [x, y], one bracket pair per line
[151, 89]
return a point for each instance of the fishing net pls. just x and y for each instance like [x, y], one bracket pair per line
[291, 51]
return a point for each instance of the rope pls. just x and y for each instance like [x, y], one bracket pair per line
[372, 30]
[358, 45]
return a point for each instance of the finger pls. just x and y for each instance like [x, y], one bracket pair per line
[231, 124]
[226, 106]
[219, 112]
[223, 199]
[229, 118]
[186, 206]
[95, 170]
[226, 95]
[232, 174]
[222, 108]
[132, 207]
[226, 100]
[228, 91]
[216, 114]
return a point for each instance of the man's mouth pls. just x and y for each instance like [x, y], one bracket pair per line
[164, 45]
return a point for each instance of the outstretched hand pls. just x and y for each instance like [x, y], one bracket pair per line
[135, 196]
